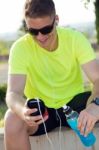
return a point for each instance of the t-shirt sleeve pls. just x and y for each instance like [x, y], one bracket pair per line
[84, 51]
[17, 59]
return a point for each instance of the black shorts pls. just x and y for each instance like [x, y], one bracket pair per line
[78, 103]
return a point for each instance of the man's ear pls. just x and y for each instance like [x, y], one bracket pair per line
[56, 22]
[56, 19]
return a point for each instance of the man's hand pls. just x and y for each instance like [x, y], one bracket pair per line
[87, 119]
[32, 120]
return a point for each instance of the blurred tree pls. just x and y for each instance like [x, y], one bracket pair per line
[3, 47]
[23, 26]
[96, 5]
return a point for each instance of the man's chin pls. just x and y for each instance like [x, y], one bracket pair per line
[43, 44]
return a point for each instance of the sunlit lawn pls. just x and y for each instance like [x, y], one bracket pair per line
[3, 109]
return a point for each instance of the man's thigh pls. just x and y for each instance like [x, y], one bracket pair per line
[78, 103]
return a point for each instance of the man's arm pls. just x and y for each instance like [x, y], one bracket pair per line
[16, 101]
[15, 93]
[91, 69]
[89, 116]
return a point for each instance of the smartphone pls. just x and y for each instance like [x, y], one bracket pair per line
[36, 103]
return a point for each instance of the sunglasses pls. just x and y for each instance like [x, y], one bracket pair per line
[45, 30]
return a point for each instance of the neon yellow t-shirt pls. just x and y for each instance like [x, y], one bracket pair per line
[55, 77]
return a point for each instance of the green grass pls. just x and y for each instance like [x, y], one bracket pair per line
[3, 109]
[3, 106]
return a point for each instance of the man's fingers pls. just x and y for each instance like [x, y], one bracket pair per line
[33, 118]
[42, 120]
[30, 111]
[89, 126]
[86, 123]
[80, 121]
[83, 125]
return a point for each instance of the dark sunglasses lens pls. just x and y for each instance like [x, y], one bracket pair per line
[46, 30]
[33, 31]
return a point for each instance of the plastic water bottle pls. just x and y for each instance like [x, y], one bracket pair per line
[72, 120]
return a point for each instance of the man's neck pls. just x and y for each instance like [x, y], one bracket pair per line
[53, 45]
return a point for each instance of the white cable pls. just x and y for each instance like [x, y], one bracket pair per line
[49, 140]
[60, 143]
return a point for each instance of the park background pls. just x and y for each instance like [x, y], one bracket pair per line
[82, 15]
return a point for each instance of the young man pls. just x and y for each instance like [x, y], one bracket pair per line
[46, 63]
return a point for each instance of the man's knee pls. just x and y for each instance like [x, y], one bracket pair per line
[12, 122]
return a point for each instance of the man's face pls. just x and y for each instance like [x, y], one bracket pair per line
[42, 29]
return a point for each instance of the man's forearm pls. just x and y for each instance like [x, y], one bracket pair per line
[93, 108]
[95, 91]
[15, 102]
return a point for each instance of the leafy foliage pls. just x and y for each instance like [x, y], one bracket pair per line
[96, 5]
[3, 89]
[3, 109]
[3, 48]
[97, 18]
[23, 26]
[3, 106]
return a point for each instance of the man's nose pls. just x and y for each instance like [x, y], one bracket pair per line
[40, 35]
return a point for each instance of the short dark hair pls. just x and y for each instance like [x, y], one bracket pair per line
[39, 8]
